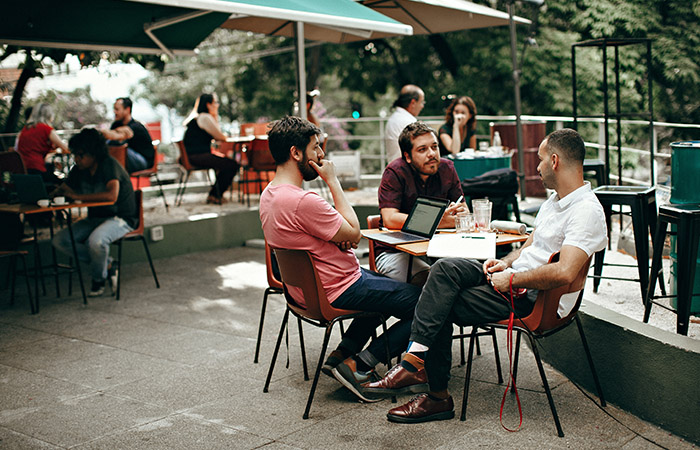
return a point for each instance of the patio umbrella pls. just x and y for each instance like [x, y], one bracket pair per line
[127, 26]
[424, 16]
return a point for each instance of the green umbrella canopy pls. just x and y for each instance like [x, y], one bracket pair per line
[170, 26]
[106, 25]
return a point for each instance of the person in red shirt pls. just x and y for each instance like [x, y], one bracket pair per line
[37, 139]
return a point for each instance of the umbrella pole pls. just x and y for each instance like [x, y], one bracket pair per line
[301, 68]
[516, 88]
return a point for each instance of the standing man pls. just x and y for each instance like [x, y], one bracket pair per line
[293, 218]
[140, 151]
[407, 107]
[97, 177]
[419, 171]
[463, 291]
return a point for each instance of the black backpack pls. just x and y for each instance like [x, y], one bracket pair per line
[499, 185]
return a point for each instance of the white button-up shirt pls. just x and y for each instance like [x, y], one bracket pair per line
[577, 219]
[394, 126]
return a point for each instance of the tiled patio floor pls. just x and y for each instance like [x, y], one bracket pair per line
[172, 368]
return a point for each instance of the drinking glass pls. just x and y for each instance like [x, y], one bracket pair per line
[482, 216]
[464, 222]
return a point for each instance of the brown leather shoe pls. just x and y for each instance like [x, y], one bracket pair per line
[422, 408]
[399, 381]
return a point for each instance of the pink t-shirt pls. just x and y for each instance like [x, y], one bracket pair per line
[296, 219]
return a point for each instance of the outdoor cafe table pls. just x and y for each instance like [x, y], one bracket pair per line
[35, 209]
[421, 248]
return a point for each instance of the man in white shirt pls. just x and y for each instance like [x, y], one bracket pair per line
[461, 291]
[407, 107]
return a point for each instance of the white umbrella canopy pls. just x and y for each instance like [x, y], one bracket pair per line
[424, 16]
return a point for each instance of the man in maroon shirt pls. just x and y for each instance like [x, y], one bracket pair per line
[419, 172]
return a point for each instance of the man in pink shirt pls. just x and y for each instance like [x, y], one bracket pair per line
[293, 218]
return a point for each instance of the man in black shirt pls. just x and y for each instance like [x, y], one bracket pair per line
[140, 152]
[97, 177]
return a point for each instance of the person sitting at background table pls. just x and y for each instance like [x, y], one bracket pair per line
[36, 140]
[97, 177]
[203, 127]
[419, 171]
[140, 152]
[459, 130]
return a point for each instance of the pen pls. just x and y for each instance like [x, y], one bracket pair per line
[473, 237]
[459, 200]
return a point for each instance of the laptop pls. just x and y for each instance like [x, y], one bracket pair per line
[420, 224]
[30, 188]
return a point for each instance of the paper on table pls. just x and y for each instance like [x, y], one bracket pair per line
[470, 245]
[509, 227]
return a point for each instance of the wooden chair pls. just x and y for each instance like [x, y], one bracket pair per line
[298, 270]
[118, 152]
[136, 234]
[274, 286]
[544, 321]
[151, 171]
[185, 176]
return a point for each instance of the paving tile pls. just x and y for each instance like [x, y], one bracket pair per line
[14, 336]
[83, 419]
[11, 440]
[112, 369]
[51, 354]
[178, 431]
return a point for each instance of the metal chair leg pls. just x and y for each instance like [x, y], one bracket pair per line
[303, 351]
[547, 390]
[467, 377]
[277, 349]
[314, 384]
[496, 356]
[268, 291]
[150, 261]
[590, 361]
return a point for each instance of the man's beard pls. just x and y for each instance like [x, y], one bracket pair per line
[307, 172]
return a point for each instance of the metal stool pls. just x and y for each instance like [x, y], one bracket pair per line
[642, 201]
[597, 166]
[687, 220]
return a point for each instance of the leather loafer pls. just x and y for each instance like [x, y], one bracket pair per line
[399, 381]
[422, 408]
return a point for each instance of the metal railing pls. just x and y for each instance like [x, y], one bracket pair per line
[372, 147]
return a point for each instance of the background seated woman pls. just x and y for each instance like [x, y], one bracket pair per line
[459, 131]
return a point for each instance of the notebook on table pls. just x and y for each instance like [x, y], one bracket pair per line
[420, 225]
[463, 245]
[30, 188]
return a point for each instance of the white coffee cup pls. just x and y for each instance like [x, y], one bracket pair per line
[44, 202]
[59, 200]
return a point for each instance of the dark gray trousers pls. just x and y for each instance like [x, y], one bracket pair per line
[457, 292]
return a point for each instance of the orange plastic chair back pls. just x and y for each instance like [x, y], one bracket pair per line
[372, 223]
[297, 269]
[543, 317]
[118, 152]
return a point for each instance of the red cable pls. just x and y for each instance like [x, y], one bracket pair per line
[509, 345]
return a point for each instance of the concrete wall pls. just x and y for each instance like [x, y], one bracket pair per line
[652, 373]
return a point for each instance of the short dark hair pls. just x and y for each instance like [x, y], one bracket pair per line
[126, 103]
[567, 143]
[412, 131]
[289, 132]
[91, 142]
[408, 93]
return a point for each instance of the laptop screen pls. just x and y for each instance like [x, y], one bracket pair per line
[30, 188]
[425, 216]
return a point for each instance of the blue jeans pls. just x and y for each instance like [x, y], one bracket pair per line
[92, 239]
[135, 161]
[377, 293]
